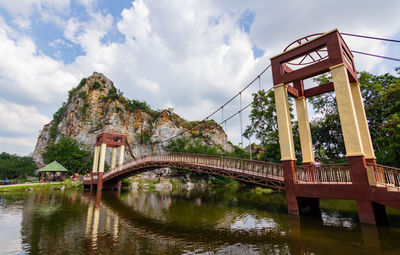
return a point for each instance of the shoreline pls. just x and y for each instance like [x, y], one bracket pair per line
[40, 186]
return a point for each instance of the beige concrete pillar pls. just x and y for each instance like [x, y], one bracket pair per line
[347, 112]
[108, 220]
[114, 157]
[89, 218]
[284, 122]
[115, 228]
[121, 155]
[307, 150]
[362, 121]
[102, 157]
[96, 158]
[95, 228]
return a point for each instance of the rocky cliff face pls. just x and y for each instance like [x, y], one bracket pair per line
[96, 105]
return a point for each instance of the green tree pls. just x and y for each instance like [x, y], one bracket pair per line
[264, 123]
[69, 153]
[264, 126]
[13, 166]
[382, 106]
[325, 127]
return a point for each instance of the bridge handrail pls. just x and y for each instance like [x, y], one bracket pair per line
[251, 166]
[385, 175]
[327, 173]
[211, 155]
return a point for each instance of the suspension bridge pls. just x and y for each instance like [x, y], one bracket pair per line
[371, 185]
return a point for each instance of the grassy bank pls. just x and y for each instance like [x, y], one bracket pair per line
[41, 186]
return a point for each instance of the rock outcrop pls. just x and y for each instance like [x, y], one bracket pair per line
[96, 105]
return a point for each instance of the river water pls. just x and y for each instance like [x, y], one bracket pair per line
[200, 221]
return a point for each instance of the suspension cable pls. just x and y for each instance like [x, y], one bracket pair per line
[222, 110]
[206, 118]
[374, 55]
[372, 37]
[241, 120]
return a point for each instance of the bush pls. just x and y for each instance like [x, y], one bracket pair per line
[75, 90]
[125, 183]
[57, 117]
[82, 95]
[53, 132]
[96, 85]
[84, 109]
[132, 105]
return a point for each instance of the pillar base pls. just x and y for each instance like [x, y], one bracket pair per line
[292, 204]
[112, 186]
[289, 167]
[371, 213]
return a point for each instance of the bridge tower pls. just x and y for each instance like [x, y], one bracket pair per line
[311, 56]
[115, 140]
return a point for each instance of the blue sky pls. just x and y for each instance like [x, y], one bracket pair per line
[189, 55]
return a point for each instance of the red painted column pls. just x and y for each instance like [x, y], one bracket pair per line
[368, 211]
[358, 171]
[100, 182]
[289, 175]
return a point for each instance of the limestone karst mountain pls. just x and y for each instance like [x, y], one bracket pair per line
[96, 105]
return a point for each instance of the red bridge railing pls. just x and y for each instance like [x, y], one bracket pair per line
[386, 176]
[327, 173]
[259, 168]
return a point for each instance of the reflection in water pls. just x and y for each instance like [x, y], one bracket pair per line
[210, 221]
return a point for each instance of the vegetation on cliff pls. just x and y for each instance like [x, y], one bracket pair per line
[197, 146]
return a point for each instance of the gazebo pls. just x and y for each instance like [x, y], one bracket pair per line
[53, 171]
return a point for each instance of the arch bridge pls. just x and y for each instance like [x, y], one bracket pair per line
[250, 171]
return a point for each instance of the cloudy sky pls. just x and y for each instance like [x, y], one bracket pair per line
[190, 55]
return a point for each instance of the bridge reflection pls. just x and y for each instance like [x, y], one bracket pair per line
[188, 222]
[290, 235]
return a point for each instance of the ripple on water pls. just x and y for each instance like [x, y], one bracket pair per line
[248, 222]
[334, 219]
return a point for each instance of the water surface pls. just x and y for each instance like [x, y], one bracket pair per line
[200, 221]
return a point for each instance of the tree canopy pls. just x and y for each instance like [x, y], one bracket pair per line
[264, 126]
[13, 166]
[69, 153]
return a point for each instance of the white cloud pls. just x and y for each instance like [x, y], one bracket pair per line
[25, 120]
[21, 145]
[149, 85]
[59, 43]
[191, 55]
[29, 75]
[134, 23]
[22, 10]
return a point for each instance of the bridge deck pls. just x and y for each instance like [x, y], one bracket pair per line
[259, 172]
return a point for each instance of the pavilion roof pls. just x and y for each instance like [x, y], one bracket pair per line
[53, 167]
